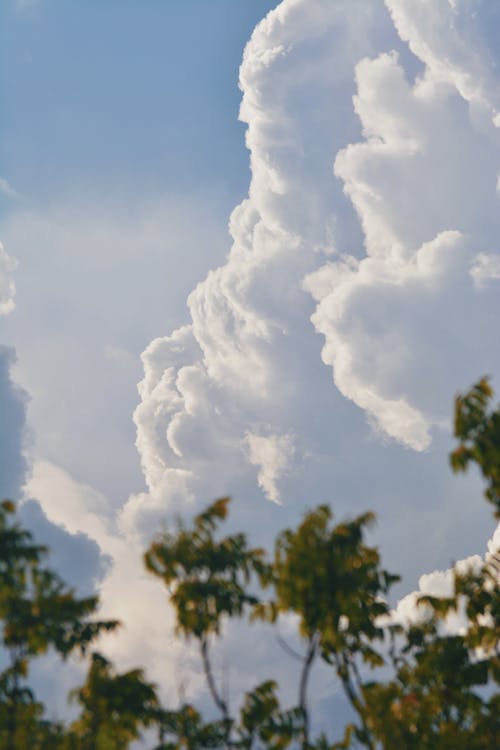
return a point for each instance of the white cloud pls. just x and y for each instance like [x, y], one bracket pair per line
[449, 37]
[486, 268]
[403, 321]
[439, 583]
[339, 132]
[7, 189]
[376, 215]
[7, 287]
[94, 280]
[396, 190]
[272, 454]
[208, 383]
[74, 506]
[126, 592]
[382, 318]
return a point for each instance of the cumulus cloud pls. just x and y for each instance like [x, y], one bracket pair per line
[75, 556]
[73, 506]
[373, 212]
[74, 553]
[272, 454]
[451, 37]
[423, 183]
[383, 319]
[67, 249]
[373, 191]
[125, 588]
[237, 363]
[439, 583]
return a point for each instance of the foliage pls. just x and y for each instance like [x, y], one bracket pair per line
[185, 730]
[37, 612]
[114, 707]
[425, 686]
[441, 693]
[209, 577]
[262, 720]
[208, 580]
[477, 429]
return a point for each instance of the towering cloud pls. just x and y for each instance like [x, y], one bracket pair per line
[417, 308]
[374, 153]
[368, 243]
[212, 387]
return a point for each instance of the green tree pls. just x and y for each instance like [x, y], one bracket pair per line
[115, 707]
[185, 729]
[437, 689]
[37, 612]
[318, 573]
[208, 579]
[418, 687]
[477, 429]
[444, 694]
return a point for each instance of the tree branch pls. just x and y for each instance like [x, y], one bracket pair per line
[217, 698]
[304, 679]
[288, 649]
[343, 665]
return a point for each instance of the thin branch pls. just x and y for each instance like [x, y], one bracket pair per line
[304, 679]
[343, 672]
[288, 649]
[355, 671]
[217, 698]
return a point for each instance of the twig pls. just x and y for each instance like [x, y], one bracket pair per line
[217, 698]
[304, 678]
[288, 649]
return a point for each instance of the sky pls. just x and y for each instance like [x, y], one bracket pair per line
[249, 248]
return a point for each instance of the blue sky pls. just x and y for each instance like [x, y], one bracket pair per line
[109, 111]
[123, 95]
[309, 352]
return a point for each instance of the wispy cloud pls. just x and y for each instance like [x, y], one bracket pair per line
[6, 189]
[26, 4]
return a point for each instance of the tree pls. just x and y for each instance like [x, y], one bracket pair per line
[424, 686]
[477, 429]
[114, 707]
[208, 579]
[318, 574]
[37, 612]
[442, 693]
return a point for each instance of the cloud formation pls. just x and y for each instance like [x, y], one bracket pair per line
[7, 287]
[371, 220]
[272, 454]
[401, 292]
[6, 188]
[401, 320]
[439, 583]
[223, 375]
